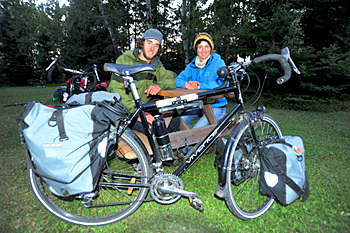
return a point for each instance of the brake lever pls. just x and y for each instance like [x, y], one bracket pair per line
[52, 63]
[294, 66]
[95, 71]
[286, 54]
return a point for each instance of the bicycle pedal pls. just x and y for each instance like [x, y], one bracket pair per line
[196, 203]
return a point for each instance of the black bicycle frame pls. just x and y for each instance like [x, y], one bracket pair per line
[200, 148]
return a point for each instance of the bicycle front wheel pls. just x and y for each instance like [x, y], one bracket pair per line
[110, 202]
[244, 199]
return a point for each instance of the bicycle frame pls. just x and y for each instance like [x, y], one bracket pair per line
[198, 151]
[231, 74]
[81, 74]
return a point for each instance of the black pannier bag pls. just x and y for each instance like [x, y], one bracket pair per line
[67, 146]
[283, 174]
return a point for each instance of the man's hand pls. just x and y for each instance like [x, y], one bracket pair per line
[149, 118]
[192, 85]
[152, 90]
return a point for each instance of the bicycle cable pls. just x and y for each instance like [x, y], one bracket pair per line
[261, 90]
[258, 88]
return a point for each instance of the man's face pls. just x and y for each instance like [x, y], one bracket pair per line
[149, 49]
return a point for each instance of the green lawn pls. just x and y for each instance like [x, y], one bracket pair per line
[326, 137]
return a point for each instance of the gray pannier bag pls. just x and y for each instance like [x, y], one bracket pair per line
[283, 174]
[93, 97]
[67, 146]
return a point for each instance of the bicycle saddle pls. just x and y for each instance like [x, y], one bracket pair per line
[124, 70]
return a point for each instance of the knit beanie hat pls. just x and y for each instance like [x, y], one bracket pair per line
[153, 33]
[203, 36]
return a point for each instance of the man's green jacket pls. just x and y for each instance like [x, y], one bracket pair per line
[161, 77]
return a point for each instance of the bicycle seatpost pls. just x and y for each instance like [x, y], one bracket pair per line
[132, 85]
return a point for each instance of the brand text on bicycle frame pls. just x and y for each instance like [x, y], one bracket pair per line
[204, 145]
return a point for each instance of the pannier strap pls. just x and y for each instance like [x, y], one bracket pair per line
[88, 97]
[283, 141]
[306, 188]
[285, 178]
[57, 117]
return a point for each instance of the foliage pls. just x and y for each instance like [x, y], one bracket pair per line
[325, 22]
[91, 32]
[328, 73]
[50, 36]
[17, 42]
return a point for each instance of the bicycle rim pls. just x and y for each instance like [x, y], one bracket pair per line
[110, 203]
[245, 200]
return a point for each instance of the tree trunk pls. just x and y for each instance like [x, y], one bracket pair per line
[184, 31]
[149, 13]
[106, 22]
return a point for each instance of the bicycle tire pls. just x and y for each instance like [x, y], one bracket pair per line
[244, 198]
[112, 203]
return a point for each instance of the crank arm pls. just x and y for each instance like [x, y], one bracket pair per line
[169, 189]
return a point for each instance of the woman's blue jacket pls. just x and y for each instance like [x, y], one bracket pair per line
[207, 76]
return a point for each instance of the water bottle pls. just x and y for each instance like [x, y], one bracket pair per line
[162, 138]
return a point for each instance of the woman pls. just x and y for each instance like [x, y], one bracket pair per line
[201, 74]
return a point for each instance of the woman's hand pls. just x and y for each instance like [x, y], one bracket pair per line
[192, 85]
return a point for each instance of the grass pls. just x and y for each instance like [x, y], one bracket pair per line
[326, 138]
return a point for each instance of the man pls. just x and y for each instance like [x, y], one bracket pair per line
[150, 82]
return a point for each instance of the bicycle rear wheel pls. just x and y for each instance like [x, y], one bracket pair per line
[108, 203]
[245, 200]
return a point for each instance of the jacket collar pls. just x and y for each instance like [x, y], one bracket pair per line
[193, 62]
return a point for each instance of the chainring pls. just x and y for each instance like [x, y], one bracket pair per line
[160, 181]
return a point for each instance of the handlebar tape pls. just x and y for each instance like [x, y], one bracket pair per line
[222, 86]
[282, 61]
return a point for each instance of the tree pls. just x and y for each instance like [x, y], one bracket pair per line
[165, 19]
[325, 59]
[149, 13]
[224, 26]
[325, 22]
[91, 32]
[49, 37]
[17, 48]
[185, 40]
[267, 27]
[109, 28]
[91, 35]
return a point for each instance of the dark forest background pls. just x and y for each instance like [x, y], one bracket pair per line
[91, 32]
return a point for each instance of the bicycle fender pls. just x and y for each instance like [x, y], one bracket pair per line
[230, 145]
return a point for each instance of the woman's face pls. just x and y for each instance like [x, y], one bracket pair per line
[203, 50]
